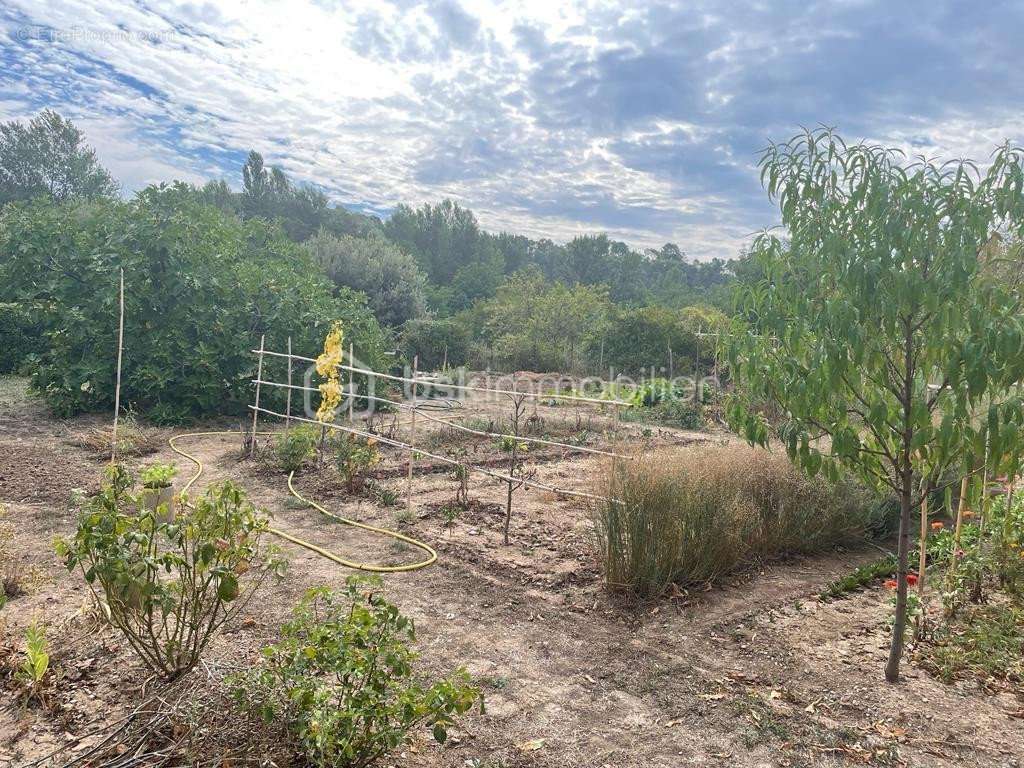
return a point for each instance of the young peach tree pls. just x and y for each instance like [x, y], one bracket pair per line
[876, 324]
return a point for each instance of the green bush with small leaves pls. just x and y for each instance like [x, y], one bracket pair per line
[342, 679]
[293, 446]
[169, 583]
[354, 456]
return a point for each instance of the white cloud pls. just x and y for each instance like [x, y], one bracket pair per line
[547, 118]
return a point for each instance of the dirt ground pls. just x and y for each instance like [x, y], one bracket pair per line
[755, 672]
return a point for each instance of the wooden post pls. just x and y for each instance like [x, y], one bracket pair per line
[117, 385]
[256, 410]
[351, 385]
[671, 368]
[412, 438]
[288, 409]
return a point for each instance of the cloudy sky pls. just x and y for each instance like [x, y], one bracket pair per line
[548, 118]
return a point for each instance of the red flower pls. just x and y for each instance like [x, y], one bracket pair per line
[890, 583]
[911, 579]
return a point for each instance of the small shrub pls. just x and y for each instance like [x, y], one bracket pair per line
[342, 679]
[694, 515]
[294, 446]
[158, 476]
[681, 414]
[386, 497]
[353, 456]
[168, 585]
[36, 662]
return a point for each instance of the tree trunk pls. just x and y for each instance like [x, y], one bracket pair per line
[892, 667]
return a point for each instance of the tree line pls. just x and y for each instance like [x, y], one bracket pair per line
[437, 285]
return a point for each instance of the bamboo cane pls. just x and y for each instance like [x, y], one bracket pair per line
[412, 440]
[117, 386]
[256, 412]
[288, 409]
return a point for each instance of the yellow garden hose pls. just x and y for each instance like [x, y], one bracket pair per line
[431, 554]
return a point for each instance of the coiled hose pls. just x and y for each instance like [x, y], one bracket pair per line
[372, 568]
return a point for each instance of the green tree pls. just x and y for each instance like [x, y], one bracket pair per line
[390, 278]
[49, 158]
[268, 193]
[875, 326]
[442, 237]
[536, 324]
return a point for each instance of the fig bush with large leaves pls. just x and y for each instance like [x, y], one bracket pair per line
[201, 287]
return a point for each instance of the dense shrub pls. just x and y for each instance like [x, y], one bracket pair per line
[294, 446]
[681, 414]
[695, 515]
[20, 336]
[169, 581]
[342, 679]
[640, 338]
[436, 342]
[201, 287]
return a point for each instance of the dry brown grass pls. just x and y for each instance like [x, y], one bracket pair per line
[693, 515]
[133, 439]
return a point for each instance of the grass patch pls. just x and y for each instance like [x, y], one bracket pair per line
[694, 515]
[680, 414]
[859, 578]
[985, 641]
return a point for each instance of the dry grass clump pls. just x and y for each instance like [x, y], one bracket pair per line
[694, 515]
[133, 439]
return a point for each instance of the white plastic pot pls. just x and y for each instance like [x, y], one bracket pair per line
[160, 501]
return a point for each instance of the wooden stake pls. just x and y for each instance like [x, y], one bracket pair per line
[117, 385]
[351, 385]
[256, 410]
[412, 438]
[960, 507]
[288, 410]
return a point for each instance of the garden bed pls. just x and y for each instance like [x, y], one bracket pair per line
[755, 671]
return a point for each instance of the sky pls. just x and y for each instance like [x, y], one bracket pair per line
[640, 119]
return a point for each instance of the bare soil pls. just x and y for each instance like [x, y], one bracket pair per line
[753, 672]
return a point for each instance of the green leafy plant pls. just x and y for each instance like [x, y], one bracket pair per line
[158, 476]
[294, 446]
[985, 642]
[509, 443]
[36, 662]
[450, 513]
[168, 586]
[353, 456]
[342, 679]
[201, 286]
